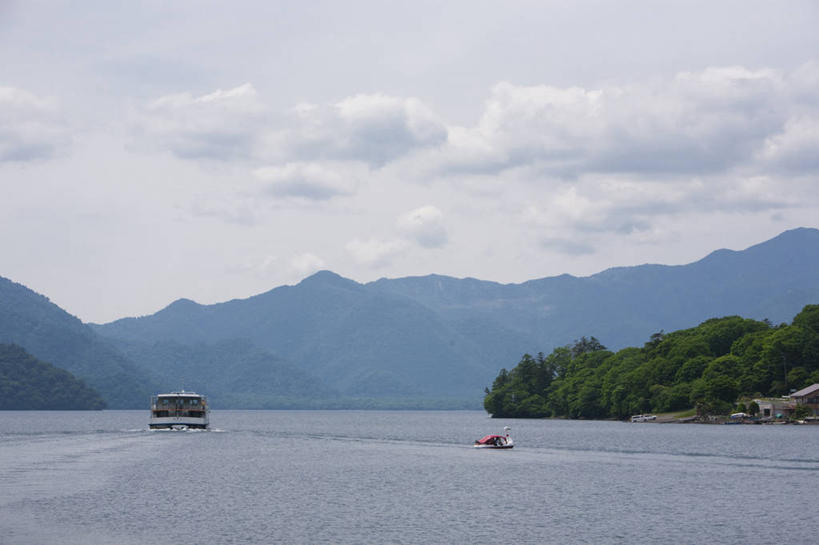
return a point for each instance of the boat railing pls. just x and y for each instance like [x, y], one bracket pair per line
[179, 406]
[195, 413]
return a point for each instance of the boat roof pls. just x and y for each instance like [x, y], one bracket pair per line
[183, 393]
[487, 438]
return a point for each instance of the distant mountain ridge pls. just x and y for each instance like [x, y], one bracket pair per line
[437, 336]
[233, 373]
[50, 334]
[360, 341]
[432, 341]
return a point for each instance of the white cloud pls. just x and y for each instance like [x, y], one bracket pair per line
[221, 125]
[803, 82]
[310, 181]
[573, 217]
[305, 264]
[796, 148]
[236, 124]
[269, 266]
[261, 267]
[383, 127]
[422, 227]
[425, 226]
[696, 123]
[617, 159]
[30, 126]
[375, 129]
[375, 252]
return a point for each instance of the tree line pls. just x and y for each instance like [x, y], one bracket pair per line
[708, 367]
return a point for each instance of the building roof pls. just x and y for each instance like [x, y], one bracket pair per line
[806, 391]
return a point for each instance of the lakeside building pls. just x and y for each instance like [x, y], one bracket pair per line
[775, 407]
[807, 396]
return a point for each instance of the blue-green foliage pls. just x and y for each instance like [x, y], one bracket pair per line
[707, 366]
[51, 334]
[27, 383]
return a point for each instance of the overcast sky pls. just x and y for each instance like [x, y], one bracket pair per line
[215, 150]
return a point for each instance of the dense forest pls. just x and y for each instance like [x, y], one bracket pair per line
[708, 367]
[27, 383]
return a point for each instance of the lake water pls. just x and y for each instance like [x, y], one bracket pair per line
[342, 477]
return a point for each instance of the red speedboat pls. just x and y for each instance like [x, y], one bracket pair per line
[496, 441]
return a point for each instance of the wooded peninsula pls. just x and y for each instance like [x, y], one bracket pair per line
[708, 367]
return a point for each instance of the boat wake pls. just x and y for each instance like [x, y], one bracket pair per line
[183, 430]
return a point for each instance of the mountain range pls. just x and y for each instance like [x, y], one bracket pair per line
[415, 341]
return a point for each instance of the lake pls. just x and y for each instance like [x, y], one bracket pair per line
[346, 477]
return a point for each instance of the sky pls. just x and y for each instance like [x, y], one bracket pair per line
[156, 150]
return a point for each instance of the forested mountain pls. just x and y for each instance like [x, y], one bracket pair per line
[361, 342]
[436, 336]
[49, 333]
[707, 366]
[27, 383]
[233, 373]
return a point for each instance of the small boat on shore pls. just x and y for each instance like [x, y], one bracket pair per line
[179, 411]
[496, 441]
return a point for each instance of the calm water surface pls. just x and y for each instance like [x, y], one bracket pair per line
[92, 478]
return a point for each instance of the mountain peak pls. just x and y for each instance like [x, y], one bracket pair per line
[787, 245]
[182, 305]
[799, 234]
[327, 278]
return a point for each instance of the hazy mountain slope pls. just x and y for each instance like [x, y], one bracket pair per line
[27, 383]
[773, 280]
[623, 306]
[435, 335]
[50, 334]
[501, 321]
[362, 343]
[233, 373]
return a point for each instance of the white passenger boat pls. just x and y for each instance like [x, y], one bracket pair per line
[496, 441]
[643, 418]
[179, 411]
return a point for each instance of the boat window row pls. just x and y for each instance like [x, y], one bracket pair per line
[177, 402]
[160, 413]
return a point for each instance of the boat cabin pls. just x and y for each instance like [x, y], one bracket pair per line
[179, 409]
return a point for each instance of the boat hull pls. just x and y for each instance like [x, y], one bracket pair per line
[177, 422]
[494, 447]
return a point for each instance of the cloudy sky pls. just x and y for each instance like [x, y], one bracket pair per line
[215, 150]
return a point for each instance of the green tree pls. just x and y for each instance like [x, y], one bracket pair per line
[707, 367]
[721, 388]
[584, 346]
[801, 412]
[808, 318]
[753, 408]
